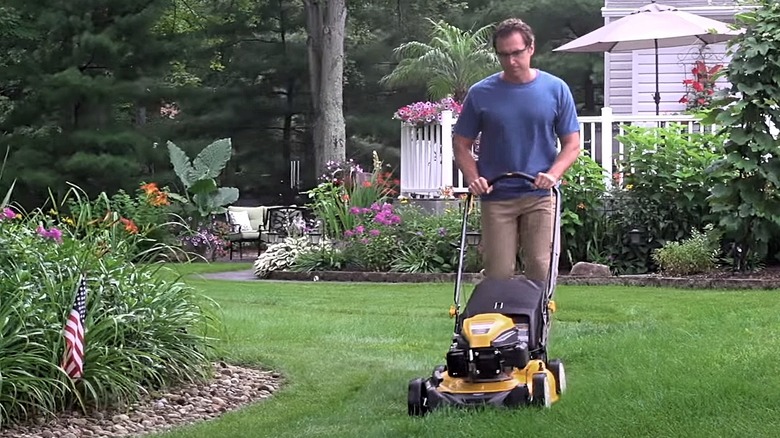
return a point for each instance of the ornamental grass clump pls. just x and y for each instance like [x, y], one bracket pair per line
[141, 330]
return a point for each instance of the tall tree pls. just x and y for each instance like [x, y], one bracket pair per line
[78, 92]
[449, 64]
[326, 26]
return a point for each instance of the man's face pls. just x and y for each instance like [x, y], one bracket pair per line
[513, 54]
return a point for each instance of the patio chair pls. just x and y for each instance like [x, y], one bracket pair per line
[246, 226]
[280, 219]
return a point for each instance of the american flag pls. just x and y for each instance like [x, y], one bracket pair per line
[73, 358]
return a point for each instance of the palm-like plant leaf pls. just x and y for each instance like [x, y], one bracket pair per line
[449, 64]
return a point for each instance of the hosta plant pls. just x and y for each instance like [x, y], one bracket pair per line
[281, 256]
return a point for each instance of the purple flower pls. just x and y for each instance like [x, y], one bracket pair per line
[8, 214]
[374, 232]
[360, 229]
[355, 210]
[349, 233]
[53, 234]
[442, 232]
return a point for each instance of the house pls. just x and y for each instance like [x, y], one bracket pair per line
[629, 77]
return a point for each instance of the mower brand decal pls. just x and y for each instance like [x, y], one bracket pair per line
[481, 329]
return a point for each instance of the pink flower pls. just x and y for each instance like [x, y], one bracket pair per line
[53, 234]
[8, 214]
[374, 232]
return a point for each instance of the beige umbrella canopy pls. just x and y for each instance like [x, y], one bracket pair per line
[650, 27]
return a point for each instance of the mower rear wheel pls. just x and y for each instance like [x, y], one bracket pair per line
[417, 399]
[556, 368]
[541, 391]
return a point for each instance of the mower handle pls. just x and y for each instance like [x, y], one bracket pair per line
[455, 309]
[521, 175]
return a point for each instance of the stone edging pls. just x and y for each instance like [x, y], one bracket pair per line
[625, 280]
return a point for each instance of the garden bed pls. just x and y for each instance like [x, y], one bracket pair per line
[769, 281]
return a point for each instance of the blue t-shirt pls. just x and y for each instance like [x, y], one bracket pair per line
[520, 126]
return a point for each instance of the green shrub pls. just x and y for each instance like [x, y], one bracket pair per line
[583, 220]
[663, 194]
[746, 200]
[696, 254]
[142, 330]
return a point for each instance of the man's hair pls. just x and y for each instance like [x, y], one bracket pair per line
[513, 25]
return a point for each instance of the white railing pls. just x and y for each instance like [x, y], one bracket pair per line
[427, 164]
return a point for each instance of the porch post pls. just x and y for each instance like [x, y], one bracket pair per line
[606, 143]
[446, 149]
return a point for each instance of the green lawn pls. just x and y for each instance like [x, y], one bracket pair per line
[640, 362]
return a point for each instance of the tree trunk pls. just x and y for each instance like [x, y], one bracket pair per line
[326, 22]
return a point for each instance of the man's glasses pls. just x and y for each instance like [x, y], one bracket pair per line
[514, 54]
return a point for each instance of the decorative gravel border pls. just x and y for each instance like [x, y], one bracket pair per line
[623, 280]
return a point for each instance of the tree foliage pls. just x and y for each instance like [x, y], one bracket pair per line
[451, 62]
[82, 85]
[749, 203]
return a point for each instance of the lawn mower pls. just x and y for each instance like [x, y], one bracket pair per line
[498, 354]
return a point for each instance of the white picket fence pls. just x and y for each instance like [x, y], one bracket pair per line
[427, 163]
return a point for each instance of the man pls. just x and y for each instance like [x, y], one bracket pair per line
[520, 112]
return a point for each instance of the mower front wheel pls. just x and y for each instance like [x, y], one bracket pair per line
[556, 367]
[417, 400]
[541, 391]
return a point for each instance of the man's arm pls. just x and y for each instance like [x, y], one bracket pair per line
[461, 149]
[570, 150]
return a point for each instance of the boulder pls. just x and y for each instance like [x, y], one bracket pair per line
[586, 269]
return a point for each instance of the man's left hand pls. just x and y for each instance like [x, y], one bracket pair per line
[545, 181]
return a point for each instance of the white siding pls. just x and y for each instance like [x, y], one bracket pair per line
[619, 88]
[674, 66]
[629, 77]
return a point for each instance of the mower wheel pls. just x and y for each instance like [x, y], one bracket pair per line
[556, 368]
[417, 399]
[541, 392]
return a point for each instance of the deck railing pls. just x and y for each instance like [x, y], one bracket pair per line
[427, 164]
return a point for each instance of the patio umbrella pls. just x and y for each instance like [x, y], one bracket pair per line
[650, 27]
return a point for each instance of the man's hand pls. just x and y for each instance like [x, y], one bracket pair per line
[480, 186]
[545, 181]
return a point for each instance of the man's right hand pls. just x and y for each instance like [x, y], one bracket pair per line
[480, 187]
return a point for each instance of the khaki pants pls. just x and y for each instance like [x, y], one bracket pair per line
[524, 223]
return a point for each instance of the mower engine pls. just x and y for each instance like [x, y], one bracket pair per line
[488, 348]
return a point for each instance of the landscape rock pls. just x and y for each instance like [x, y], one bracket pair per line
[232, 387]
[586, 269]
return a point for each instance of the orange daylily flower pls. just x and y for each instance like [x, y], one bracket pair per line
[150, 188]
[130, 226]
